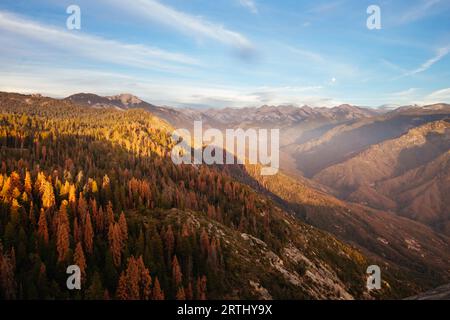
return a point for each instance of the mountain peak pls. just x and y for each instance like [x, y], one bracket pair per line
[121, 101]
[126, 99]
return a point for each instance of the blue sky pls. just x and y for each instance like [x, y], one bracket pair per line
[236, 53]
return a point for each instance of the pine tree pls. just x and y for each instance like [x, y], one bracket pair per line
[169, 242]
[115, 243]
[189, 291]
[72, 195]
[157, 294]
[64, 189]
[28, 183]
[94, 187]
[48, 196]
[62, 217]
[109, 218]
[123, 227]
[42, 227]
[88, 235]
[180, 294]
[204, 242]
[7, 279]
[77, 235]
[177, 276]
[96, 218]
[82, 208]
[123, 290]
[6, 190]
[62, 236]
[201, 288]
[145, 280]
[135, 281]
[16, 182]
[80, 260]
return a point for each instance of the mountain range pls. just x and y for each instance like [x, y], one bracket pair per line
[358, 186]
[390, 158]
[367, 156]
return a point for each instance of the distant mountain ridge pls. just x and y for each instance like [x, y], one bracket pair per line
[121, 101]
[342, 141]
[271, 114]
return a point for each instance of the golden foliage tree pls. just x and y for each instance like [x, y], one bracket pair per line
[48, 196]
[42, 226]
[62, 236]
[80, 260]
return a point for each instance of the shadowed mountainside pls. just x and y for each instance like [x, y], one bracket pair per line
[408, 175]
[400, 241]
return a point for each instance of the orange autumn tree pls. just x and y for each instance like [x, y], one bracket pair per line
[42, 227]
[123, 227]
[135, 282]
[177, 276]
[88, 235]
[28, 184]
[63, 237]
[115, 242]
[180, 294]
[201, 288]
[80, 261]
[157, 293]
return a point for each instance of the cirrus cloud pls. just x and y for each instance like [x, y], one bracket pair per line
[250, 5]
[21, 30]
[185, 23]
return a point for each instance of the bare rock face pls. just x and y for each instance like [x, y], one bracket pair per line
[126, 99]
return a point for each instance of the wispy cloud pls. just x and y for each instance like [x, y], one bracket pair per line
[438, 96]
[307, 54]
[162, 91]
[326, 7]
[250, 5]
[418, 12]
[442, 95]
[405, 94]
[324, 64]
[404, 97]
[185, 23]
[93, 47]
[440, 54]
[393, 66]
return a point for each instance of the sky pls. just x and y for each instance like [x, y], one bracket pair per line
[230, 53]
